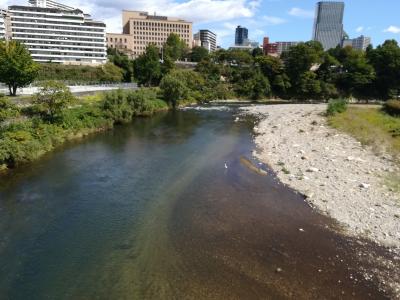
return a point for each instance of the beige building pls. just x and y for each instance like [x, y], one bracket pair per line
[141, 29]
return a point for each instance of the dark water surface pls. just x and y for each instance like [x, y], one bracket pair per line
[149, 211]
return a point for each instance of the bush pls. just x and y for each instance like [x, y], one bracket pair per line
[7, 109]
[73, 74]
[121, 105]
[116, 107]
[336, 107]
[52, 98]
[392, 107]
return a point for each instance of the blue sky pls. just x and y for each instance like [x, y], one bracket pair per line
[292, 20]
[281, 20]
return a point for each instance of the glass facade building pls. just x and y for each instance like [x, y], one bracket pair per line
[328, 26]
[241, 36]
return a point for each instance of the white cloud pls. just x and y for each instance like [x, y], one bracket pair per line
[270, 20]
[392, 29]
[360, 29]
[299, 12]
[198, 11]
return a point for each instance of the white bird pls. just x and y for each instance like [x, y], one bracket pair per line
[226, 166]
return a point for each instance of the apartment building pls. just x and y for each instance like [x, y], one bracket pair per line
[277, 48]
[141, 29]
[360, 43]
[2, 25]
[54, 32]
[206, 39]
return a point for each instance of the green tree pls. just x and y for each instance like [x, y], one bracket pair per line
[251, 83]
[300, 60]
[329, 68]
[356, 74]
[173, 89]
[117, 107]
[121, 60]
[257, 52]
[147, 67]
[186, 85]
[273, 69]
[174, 47]
[198, 54]
[309, 86]
[17, 69]
[111, 73]
[52, 98]
[386, 61]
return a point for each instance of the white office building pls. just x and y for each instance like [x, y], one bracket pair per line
[360, 43]
[206, 39]
[2, 26]
[54, 32]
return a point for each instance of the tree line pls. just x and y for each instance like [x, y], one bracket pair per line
[304, 72]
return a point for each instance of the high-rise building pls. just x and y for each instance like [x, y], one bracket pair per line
[141, 29]
[328, 26]
[54, 32]
[360, 43]
[206, 39]
[241, 36]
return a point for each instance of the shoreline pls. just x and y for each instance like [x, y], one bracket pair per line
[338, 176]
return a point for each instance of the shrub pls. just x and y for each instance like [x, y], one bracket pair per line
[392, 107]
[7, 109]
[336, 106]
[116, 107]
[53, 97]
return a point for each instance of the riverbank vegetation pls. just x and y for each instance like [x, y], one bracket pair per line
[57, 116]
[371, 126]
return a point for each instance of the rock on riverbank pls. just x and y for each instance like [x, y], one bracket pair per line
[339, 176]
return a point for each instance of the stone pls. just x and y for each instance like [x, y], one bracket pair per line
[364, 185]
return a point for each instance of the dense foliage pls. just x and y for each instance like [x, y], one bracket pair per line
[7, 109]
[392, 107]
[25, 139]
[122, 61]
[72, 74]
[53, 97]
[336, 107]
[17, 69]
[305, 72]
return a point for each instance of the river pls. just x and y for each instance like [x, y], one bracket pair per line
[169, 207]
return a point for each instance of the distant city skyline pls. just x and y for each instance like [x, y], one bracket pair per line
[283, 20]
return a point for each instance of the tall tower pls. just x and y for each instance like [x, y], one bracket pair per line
[328, 26]
[241, 36]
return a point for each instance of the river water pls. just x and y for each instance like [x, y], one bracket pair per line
[150, 211]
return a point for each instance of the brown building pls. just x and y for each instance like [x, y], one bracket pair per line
[141, 29]
[277, 48]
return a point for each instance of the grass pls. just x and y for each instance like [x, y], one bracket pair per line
[393, 182]
[371, 126]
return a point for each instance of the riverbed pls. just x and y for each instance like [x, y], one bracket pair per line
[172, 207]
